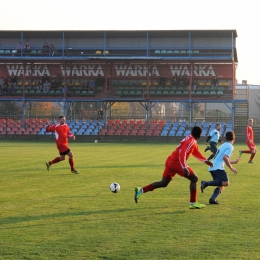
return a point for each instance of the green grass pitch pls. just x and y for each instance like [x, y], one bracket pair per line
[60, 215]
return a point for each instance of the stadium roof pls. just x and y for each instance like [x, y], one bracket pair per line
[115, 33]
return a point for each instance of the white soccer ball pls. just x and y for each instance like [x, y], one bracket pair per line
[96, 141]
[114, 187]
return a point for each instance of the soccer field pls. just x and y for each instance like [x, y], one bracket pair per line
[60, 215]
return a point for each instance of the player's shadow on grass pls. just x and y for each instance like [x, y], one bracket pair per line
[22, 219]
[127, 166]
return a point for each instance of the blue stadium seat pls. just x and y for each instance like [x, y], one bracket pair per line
[74, 131]
[206, 124]
[229, 125]
[166, 128]
[187, 132]
[172, 133]
[183, 123]
[174, 128]
[81, 131]
[164, 134]
[176, 123]
[179, 133]
[204, 133]
[192, 124]
[168, 123]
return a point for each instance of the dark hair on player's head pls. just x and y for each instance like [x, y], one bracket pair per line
[60, 117]
[196, 132]
[230, 135]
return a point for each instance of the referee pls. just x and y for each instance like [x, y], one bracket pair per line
[214, 139]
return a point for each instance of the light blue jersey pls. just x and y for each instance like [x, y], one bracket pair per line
[214, 134]
[218, 161]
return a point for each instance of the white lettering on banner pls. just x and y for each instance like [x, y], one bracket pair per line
[135, 70]
[125, 70]
[82, 70]
[27, 70]
[198, 70]
[201, 70]
[12, 69]
[180, 70]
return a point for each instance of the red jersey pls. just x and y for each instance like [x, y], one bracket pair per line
[249, 134]
[186, 147]
[61, 132]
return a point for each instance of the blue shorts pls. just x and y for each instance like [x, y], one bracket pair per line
[219, 175]
[213, 147]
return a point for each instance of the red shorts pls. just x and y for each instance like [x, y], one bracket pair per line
[62, 148]
[251, 146]
[172, 167]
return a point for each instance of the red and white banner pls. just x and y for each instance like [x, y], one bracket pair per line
[127, 71]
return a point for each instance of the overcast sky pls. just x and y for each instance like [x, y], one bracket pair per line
[242, 16]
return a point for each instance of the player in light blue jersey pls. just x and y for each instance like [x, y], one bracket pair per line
[219, 175]
[214, 138]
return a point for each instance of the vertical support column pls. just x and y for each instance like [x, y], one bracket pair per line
[106, 105]
[190, 111]
[148, 80]
[24, 64]
[63, 45]
[105, 42]
[105, 88]
[65, 87]
[233, 77]
[191, 79]
[21, 53]
[147, 44]
[233, 113]
[23, 105]
[148, 107]
[65, 105]
[21, 40]
[148, 110]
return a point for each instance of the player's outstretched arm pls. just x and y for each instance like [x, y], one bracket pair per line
[235, 161]
[209, 163]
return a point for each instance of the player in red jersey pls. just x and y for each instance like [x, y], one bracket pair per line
[62, 132]
[249, 141]
[176, 163]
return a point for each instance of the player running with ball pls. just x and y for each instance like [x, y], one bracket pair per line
[176, 163]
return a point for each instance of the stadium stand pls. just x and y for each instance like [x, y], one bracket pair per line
[127, 73]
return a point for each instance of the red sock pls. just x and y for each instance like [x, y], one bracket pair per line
[246, 151]
[148, 188]
[194, 196]
[56, 160]
[71, 162]
[252, 157]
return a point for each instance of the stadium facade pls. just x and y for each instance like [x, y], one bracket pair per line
[189, 68]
